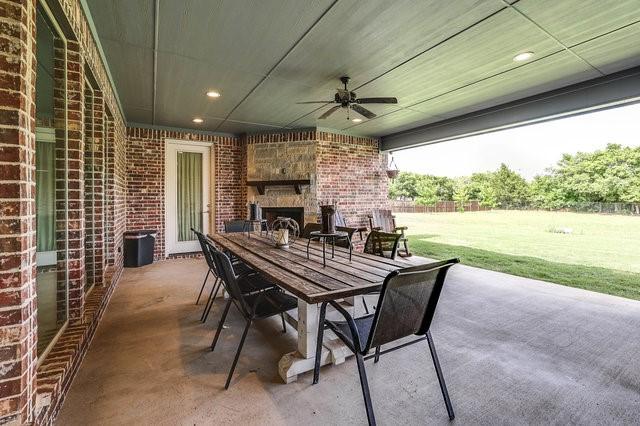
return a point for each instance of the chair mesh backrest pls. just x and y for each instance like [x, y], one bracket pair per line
[383, 218]
[208, 256]
[383, 244]
[229, 279]
[407, 302]
[234, 226]
[309, 228]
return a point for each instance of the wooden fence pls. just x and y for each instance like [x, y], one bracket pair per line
[474, 206]
[439, 207]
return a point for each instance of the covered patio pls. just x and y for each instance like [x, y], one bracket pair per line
[140, 139]
[514, 351]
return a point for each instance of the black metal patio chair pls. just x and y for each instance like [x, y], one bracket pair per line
[253, 306]
[342, 222]
[384, 244]
[309, 228]
[212, 268]
[236, 225]
[248, 286]
[343, 242]
[406, 306]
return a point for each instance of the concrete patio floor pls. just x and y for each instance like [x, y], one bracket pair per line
[513, 351]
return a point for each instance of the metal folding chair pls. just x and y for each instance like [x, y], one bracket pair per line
[406, 307]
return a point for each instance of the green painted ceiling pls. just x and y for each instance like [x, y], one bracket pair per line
[439, 58]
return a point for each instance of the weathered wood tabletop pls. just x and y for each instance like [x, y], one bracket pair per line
[307, 278]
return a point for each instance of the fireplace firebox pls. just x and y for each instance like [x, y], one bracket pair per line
[295, 213]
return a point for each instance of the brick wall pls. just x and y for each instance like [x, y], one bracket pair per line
[18, 329]
[31, 394]
[145, 166]
[352, 172]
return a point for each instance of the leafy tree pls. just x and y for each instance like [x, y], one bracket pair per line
[509, 187]
[405, 186]
[411, 186]
[462, 192]
[611, 175]
[481, 189]
[427, 192]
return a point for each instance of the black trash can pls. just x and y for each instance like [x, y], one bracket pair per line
[138, 248]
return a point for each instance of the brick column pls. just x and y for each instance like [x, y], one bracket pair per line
[75, 180]
[109, 188]
[94, 188]
[18, 329]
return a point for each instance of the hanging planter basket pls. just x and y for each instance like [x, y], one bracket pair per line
[392, 170]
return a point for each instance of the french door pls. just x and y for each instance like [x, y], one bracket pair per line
[187, 194]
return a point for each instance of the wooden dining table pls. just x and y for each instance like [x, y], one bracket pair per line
[312, 283]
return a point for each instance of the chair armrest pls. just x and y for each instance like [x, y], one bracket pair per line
[351, 323]
[401, 228]
[376, 228]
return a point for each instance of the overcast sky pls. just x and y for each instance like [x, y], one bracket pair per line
[528, 150]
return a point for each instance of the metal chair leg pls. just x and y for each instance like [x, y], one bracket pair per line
[376, 358]
[316, 368]
[203, 284]
[220, 324]
[365, 389]
[235, 360]
[443, 385]
[366, 308]
[284, 324]
[209, 300]
[213, 299]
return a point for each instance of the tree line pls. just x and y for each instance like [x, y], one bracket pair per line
[611, 175]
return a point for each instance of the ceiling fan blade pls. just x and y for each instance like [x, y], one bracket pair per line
[315, 102]
[329, 112]
[377, 100]
[362, 111]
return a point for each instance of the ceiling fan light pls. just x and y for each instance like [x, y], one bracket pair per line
[213, 94]
[357, 120]
[198, 120]
[524, 56]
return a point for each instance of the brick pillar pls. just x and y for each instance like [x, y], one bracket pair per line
[94, 188]
[109, 184]
[75, 181]
[89, 207]
[18, 329]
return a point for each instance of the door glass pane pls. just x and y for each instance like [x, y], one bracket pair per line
[189, 194]
[51, 183]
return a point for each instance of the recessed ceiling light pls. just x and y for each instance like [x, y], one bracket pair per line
[213, 94]
[524, 56]
[198, 120]
[357, 120]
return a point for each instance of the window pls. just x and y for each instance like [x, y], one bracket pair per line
[51, 182]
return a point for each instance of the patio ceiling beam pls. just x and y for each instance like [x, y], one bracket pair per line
[600, 93]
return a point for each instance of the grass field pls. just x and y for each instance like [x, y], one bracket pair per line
[601, 252]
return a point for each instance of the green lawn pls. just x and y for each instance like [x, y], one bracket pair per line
[600, 254]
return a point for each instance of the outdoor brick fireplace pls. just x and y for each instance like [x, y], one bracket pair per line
[347, 169]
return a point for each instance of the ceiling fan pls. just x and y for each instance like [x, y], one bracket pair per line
[349, 100]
